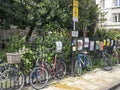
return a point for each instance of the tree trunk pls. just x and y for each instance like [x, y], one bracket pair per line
[29, 34]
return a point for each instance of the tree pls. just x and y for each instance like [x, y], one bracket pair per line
[45, 15]
[88, 16]
[42, 14]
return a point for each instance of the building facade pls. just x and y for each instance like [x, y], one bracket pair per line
[111, 8]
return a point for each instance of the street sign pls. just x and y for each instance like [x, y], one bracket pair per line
[75, 14]
[75, 10]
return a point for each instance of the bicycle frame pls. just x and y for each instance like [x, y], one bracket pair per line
[83, 61]
[102, 54]
[44, 64]
[51, 69]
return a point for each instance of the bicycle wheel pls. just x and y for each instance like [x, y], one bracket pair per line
[15, 78]
[78, 68]
[106, 64]
[88, 63]
[39, 78]
[60, 69]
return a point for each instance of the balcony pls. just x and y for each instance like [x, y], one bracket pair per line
[111, 25]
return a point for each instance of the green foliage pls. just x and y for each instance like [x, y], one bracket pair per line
[88, 16]
[48, 14]
[103, 33]
[33, 13]
[13, 46]
[51, 38]
[30, 49]
[44, 16]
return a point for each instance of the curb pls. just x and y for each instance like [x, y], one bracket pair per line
[112, 86]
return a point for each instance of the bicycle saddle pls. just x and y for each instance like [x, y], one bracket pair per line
[84, 52]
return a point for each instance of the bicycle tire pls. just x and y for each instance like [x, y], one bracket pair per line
[88, 63]
[78, 68]
[60, 69]
[16, 77]
[39, 78]
[106, 64]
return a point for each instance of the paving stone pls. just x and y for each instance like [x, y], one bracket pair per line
[96, 79]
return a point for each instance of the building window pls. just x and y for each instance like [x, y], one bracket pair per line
[103, 3]
[117, 3]
[116, 18]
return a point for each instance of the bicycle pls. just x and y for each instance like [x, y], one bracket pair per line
[105, 61]
[43, 71]
[83, 60]
[13, 75]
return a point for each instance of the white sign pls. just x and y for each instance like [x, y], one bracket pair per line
[58, 46]
[92, 43]
[118, 46]
[75, 19]
[112, 42]
[118, 42]
[80, 44]
[86, 42]
[74, 33]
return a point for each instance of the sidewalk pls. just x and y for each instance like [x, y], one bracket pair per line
[97, 79]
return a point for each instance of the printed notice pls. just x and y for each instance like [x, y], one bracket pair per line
[86, 42]
[92, 43]
[58, 46]
[80, 44]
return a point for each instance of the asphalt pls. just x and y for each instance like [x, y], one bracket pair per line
[97, 79]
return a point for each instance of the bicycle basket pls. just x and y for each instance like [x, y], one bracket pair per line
[13, 58]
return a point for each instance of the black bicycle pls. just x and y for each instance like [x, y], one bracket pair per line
[106, 61]
[13, 75]
[104, 58]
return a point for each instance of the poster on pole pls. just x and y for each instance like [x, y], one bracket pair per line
[97, 45]
[58, 46]
[108, 42]
[101, 46]
[112, 42]
[86, 42]
[92, 44]
[118, 43]
[104, 42]
[80, 44]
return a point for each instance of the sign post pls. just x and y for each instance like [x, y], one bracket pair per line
[74, 34]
